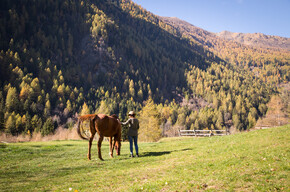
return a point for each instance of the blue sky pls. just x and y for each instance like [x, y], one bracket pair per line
[271, 17]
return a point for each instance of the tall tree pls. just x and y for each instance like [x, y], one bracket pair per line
[48, 127]
[150, 122]
[12, 100]
[85, 109]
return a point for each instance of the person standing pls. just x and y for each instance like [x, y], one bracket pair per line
[132, 132]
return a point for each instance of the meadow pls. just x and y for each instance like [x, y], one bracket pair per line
[250, 161]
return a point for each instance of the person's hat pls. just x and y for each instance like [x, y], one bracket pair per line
[131, 113]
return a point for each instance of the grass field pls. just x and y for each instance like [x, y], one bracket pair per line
[252, 161]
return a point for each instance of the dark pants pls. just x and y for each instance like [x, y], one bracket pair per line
[135, 139]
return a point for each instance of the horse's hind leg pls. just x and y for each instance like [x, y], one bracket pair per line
[99, 146]
[93, 132]
[111, 147]
[90, 145]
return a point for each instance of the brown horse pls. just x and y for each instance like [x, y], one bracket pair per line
[105, 126]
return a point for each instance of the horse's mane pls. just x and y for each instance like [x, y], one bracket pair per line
[115, 116]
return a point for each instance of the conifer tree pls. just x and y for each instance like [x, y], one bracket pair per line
[48, 127]
[47, 108]
[69, 106]
[12, 100]
[1, 111]
[131, 88]
[85, 109]
[103, 109]
[149, 122]
[192, 126]
[10, 125]
[196, 124]
[18, 124]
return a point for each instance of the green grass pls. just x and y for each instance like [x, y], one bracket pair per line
[252, 161]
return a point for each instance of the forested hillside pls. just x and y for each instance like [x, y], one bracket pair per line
[267, 56]
[62, 58]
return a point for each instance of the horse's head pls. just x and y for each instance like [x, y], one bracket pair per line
[118, 147]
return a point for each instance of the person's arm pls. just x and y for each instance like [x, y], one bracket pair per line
[125, 123]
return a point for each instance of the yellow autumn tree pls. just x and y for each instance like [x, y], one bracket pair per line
[150, 130]
[103, 109]
[85, 109]
[85, 126]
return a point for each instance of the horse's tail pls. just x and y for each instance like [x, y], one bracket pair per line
[79, 130]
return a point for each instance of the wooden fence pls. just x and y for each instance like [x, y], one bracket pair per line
[202, 133]
[264, 127]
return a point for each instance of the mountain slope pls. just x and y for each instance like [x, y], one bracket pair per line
[56, 56]
[265, 58]
[257, 39]
[63, 58]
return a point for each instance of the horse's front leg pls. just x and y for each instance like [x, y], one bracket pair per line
[114, 145]
[99, 147]
[111, 147]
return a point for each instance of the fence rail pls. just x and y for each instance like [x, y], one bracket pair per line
[202, 133]
[264, 127]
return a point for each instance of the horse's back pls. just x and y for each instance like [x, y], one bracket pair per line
[87, 117]
[108, 125]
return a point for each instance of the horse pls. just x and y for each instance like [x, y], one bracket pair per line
[105, 126]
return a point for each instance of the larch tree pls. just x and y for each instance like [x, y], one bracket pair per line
[12, 99]
[85, 109]
[149, 122]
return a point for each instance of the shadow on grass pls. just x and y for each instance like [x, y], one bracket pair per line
[2, 145]
[160, 153]
[36, 146]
